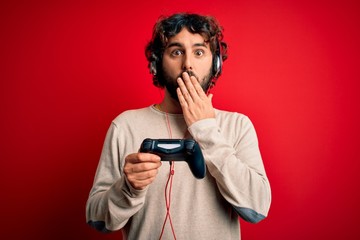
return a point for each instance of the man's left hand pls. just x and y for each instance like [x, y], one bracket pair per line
[195, 104]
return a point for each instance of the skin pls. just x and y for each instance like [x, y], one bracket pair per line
[184, 52]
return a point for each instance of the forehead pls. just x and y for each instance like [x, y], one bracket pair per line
[185, 37]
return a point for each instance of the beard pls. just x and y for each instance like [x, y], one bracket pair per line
[171, 84]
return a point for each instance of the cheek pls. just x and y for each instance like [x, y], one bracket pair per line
[205, 68]
[172, 71]
[169, 66]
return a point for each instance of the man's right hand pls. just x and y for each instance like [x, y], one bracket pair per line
[141, 169]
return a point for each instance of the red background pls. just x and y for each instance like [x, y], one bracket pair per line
[68, 68]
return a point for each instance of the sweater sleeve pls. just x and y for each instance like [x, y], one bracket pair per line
[112, 200]
[236, 164]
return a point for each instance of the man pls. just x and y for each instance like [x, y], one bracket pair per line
[135, 192]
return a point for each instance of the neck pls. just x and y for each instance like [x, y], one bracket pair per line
[170, 105]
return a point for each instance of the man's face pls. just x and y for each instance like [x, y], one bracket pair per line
[186, 52]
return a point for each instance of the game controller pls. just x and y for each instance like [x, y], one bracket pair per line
[187, 150]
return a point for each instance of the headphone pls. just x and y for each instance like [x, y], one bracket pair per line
[217, 62]
[216, 66]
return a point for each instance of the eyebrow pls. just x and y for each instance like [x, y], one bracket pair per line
[176, 44]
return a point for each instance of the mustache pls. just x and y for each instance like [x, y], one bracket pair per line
[191, 73]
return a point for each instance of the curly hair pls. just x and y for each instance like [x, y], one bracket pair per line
[167, 27]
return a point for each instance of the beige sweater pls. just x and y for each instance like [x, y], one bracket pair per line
[235, 184]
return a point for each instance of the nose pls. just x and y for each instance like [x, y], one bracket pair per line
[187, 62]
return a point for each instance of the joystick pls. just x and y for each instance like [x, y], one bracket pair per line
[187, 150]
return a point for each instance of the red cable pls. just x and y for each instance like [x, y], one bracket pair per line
[170, 180]
[168, 201]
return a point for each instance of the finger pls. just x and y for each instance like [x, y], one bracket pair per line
[184, 91]
[141, 184]
[198, 90]
[181, 98]
[142, 157]
[148, 157]
[143, 167]
[142, 176]
[210, 96]
[140, 171]
[192, 85]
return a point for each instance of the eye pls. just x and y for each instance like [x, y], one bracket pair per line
[199, 52]
[176, 52]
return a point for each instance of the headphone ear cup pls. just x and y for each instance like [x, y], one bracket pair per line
[153, 68]
[217, 66]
